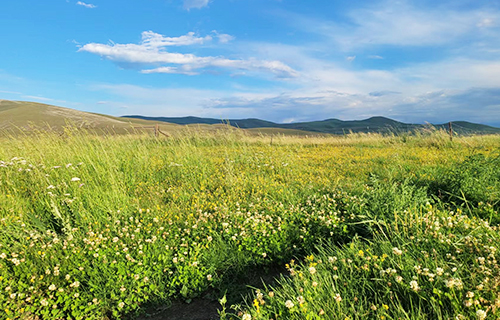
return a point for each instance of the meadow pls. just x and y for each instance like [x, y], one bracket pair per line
[368, 226]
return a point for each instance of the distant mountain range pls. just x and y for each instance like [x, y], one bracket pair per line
[23, 115]
[331, 126]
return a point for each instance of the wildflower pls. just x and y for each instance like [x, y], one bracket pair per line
[397, 251]
[337, 297]
[75, 179]
[332, 259]
[289, 304]
[246, 316]
[414, 285]
[481, 314]
[51, 187]
[321, 312]
[373, 307]
[399, 279]
[301, 300]
[439, 271]
[122, 289]
[312, 270]
[386, 307]
[16, 261]
[314, 284]
[3, 255]
[121, 304]
[209, 277]
[44, 302]
[271, 294]
[52, 287]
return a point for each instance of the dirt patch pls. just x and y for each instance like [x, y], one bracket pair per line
[207, 307]
[198, 309]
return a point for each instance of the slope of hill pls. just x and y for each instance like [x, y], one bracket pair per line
[332, 126]
[24, 115]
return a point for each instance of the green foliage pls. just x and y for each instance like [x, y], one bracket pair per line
[95, 227]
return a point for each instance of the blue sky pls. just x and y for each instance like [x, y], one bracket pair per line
[279, 60]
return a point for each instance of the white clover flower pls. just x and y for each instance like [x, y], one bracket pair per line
[397, 251]
[332, 259]
[414, 285]
[312, 270]
[209, 277]
[289, 304]
[439, 271]
[470, 294]
[3, 255]
[44, 302]
[337, 297]
[121, 304]
[52, 287]
[399, 279]
[301, 299]
[481, 314]
[246, 316]
[15, 261]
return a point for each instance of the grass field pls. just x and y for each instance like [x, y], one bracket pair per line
[369, 227]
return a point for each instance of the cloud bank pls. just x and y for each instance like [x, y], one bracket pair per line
[152, 52]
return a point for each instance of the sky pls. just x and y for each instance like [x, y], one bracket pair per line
[278, 60]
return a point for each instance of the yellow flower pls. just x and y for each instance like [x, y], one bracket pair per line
[386, 307]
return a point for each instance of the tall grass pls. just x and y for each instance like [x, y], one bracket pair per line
[95, 226]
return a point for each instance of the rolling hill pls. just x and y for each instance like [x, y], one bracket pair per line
[330, 126]
[22, 115]
[25, 116]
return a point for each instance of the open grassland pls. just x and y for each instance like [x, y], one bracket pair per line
[398, 227]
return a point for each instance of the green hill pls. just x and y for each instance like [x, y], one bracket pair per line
[25, 116]
[331, 126]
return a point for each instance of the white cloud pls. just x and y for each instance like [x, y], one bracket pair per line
[223, 38]
[37, 98]
[86, 5]
[400, 23]
[152, 51]
[350, 58]
[375, 57]
[485, 23]
[195, 4]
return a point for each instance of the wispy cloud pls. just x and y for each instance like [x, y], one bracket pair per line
[86, 5]
[401, 23]
[37, 98]
[195, 4]
[223, 38]
[152, 51]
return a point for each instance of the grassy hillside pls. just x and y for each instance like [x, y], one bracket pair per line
[25, 116]
[333, 126]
